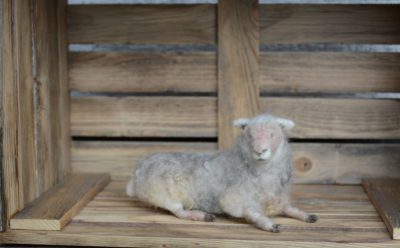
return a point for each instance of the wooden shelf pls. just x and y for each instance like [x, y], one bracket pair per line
[112, 219]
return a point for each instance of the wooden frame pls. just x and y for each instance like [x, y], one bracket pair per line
[133, 98]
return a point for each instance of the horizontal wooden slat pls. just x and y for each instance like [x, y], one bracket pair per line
[313, 162]
[55, 208]
[144, 116]
[142, 24]
[347, 219]
[143, 72]
[196, 117]
[298, 72]
[349, 24]
[196, 24]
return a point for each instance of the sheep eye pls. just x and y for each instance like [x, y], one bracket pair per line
[272, 135]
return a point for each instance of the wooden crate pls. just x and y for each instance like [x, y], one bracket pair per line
[89, 89]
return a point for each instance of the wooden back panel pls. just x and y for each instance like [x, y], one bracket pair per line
[170, 92]
[35, 100]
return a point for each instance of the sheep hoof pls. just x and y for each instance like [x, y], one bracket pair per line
[312, 218]
[276, 228]
[209, 218]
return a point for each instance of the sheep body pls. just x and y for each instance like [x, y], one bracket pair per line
[251, 180]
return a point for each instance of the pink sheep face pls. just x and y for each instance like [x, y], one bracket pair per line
[265, 139]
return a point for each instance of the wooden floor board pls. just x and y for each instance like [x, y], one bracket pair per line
[347, 219]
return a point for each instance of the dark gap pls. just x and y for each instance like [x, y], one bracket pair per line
[323, 47]
[147, 139]
[394, 96]
[140, 48]
[143, 94]
[377, 95]
[346, 141]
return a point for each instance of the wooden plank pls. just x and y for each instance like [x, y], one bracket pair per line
[385, 195]
[196, 117]
[312, 162]
[238, 56]
[10, 107]
[64, 137]
[329, 72]
[51, 92]
[27, 164]
[148, 116]
[55, 208]
[142, 24]
[112, 219]
[280, 72]
[3, 214]
[143, 72]
[341, 24]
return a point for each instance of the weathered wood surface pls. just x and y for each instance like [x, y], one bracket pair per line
[196, 24]
[144, 116]
[238, 57]
[385, 195]
[2, 193]
[142, 24]
[283, 72]
[341, 24]
[197, 117]
[346, 219]
[35, 144]
[313, 162]
[55, 208]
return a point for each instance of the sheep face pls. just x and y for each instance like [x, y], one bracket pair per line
[263, 139]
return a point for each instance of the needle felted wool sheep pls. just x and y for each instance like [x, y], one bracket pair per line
[252, 180]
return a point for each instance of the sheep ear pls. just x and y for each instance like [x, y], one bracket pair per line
[242, 123]
[286, 124]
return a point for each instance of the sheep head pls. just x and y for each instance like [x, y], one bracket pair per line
[264, 134]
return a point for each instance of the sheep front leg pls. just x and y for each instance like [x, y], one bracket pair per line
[299, 214]
[261, 221]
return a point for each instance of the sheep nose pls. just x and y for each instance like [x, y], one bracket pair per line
[264, 150]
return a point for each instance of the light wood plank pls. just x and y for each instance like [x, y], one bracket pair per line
[313, 163]
[385, 195]
[282, 72]
[196, 117]
[329, 72]
[341, 24]
[29, 173]
[238, 56]
[143, 72]
[144, 116]
[119, 221]
[142, 24]
[55, 208]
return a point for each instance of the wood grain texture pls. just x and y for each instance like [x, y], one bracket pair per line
[142, 24]
[313, 163]
[347, 219]
[197, 117]
[329, 72]
[51, 91]
[3, 214]
[238, 62]
[27, 164]
[385, 195]
[143, 72]
[10, 107]
[55, 208]
[280, 72]
[348, 24]
[144, 116]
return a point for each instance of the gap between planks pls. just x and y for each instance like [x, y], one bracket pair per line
[56, 207]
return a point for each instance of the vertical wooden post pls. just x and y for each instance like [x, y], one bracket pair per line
[35, 100]
[238, 61]
[2, 205]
